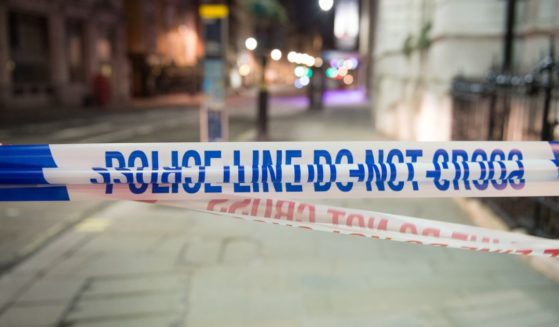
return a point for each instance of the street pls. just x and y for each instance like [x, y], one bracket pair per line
[133, 264]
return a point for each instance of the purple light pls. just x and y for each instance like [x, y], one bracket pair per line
[345, 97]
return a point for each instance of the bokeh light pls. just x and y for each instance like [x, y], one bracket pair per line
[325, 5]
[244, 70]
[275, 54]
[251, 43]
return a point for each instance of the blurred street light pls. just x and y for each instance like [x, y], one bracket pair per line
[346, 24]
[268, 17]
[251, 43]
[325, 5]
[291, 56]
[303, 59]
[244, 70]
[276, 54]
[308, 60]
[348, 79]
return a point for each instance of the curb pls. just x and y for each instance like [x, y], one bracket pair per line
[483, 216]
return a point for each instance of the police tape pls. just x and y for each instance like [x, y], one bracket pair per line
[187, 171]
[374, 225]
[252, 181]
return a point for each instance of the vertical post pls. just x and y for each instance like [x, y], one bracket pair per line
[508, 47]
[508, 57]
[57, 51]
[4, 55]
[213, 114]
[547, 127]
[263, 100]
[91, 60]
[121, 84]
[316, 88]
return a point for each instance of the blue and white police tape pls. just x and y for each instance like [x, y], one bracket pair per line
[175, 171]
[220, 177]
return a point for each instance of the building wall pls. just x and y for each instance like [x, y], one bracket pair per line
[411, 97]
[164, 45]
[100, 48]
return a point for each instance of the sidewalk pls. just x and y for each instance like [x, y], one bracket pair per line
[12, 117]
[134, 264]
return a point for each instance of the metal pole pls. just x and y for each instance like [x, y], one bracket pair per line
[263, 101]
[508, 50]
[547, 132]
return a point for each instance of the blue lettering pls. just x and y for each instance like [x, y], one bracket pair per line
[289, 156]
[440, 161]
[318, 155]
[188, 185]
[461, 156]
[268, 169]
[373, 171]
[483, 183]
[156, 187]
[173, 169]
[138, 155]
[516, 177]
[255, 173]
[394, 153]
[111, 156]
[208, 156]
[500, 156]
[237, 186]
[413, 155]
[349, 159]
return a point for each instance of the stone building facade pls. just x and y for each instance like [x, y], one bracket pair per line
[164, 46]
[52, 50]
[421, 45]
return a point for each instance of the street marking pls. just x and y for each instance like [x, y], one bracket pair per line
[93, 225]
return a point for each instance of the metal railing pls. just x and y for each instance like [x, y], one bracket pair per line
[513, 108]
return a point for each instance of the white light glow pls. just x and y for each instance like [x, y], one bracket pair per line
[304, 80]
[346, 24]
[300, 71]
[291, 56]
[251, 43]
[308, 60]
[325, 5]
[244, 70]
[275, 54]
[299, 58]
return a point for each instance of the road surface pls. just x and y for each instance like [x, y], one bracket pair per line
[133, 264]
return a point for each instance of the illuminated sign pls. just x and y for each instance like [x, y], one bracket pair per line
[346, 24]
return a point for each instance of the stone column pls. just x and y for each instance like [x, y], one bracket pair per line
[5, 78]
[91, 62]
[57, 52]
[121, 87]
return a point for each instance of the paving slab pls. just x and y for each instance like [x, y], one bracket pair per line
[60, 290]
[40, 315]
[135, 284]
[118, 307]
[11, 286]
[157, 266]
[202, 252]
[151, 321]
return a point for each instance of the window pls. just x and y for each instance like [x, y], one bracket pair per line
[75, 50]
[29, 47]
